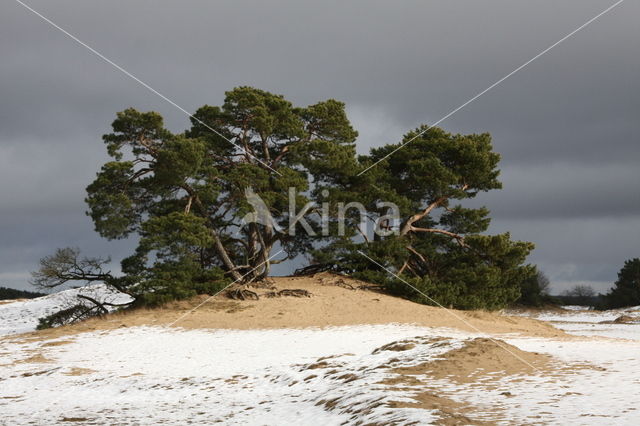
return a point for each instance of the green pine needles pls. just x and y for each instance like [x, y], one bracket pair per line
[183, 197]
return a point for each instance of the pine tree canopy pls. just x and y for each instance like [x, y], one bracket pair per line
[626, 291]
[185, 198]
[440, 248]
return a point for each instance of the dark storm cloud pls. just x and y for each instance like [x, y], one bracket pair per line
[566, 125]
[577, 250]
[566, 190]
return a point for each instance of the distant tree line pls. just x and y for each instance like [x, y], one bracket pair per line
[580, 295]
[7, 293]
[624, 293]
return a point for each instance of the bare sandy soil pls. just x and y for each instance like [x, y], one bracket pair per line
[475, 362]
[334, 301]
[5, 302]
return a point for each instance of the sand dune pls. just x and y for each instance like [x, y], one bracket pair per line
[334, 301]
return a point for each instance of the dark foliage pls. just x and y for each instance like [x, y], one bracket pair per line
[185, 196]
[7, 293]
[534, 291]
[69, 315]
[191, 201]
[437, 248]
[626, 291]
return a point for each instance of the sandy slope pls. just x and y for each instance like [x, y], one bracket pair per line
[335, 301]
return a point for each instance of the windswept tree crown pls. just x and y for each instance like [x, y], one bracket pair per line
[438, 250]
[186, 197]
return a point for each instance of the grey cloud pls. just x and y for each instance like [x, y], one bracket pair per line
[566, 190]
[566, 125]
[575, 250]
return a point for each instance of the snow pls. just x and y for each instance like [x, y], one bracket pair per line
[235, 376]
[580, 314]
[581, 321]
[22, 316]
[604, 395]
[152, 375]
[617, 331]
[576, 308]
[149, 375]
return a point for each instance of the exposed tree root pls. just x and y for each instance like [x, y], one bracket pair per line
[294, 292]
[371, 287]
[339, 282]
[264, 284]
[242, 293]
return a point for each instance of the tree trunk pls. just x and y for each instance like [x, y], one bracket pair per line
[224, 256]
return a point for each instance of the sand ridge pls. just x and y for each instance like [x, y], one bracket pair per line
[334, 301]
[481, 357]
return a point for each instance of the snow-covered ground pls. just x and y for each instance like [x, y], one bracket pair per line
[604, 394]
[154, 375]
[145, 375]
[22, 316]
[581, 321]
[582, 314]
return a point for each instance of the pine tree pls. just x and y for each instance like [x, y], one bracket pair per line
[439, 247]
[183, 196]
[626, 291]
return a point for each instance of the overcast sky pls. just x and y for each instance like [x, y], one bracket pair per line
[566, 125]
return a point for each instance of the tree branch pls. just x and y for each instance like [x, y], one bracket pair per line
[222, 251]
[408, 226]
[99, 305]
[460, 238]
[280, 156]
